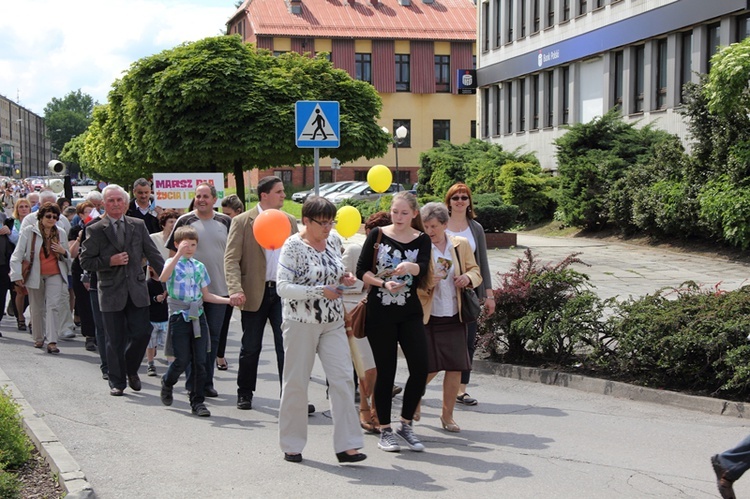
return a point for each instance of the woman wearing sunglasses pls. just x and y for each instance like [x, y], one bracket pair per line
[46, 247]
[462, 223]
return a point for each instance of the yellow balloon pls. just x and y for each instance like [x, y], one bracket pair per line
[379, 178]
[348, 221]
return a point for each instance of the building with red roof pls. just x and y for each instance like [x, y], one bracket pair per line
[411, 51]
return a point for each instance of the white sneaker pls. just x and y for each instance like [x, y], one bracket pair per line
[67, 335]
[407, 433]
[388, 441]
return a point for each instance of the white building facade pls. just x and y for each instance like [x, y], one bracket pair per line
[546, 64]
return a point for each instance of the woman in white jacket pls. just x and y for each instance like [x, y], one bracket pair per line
[46, 247]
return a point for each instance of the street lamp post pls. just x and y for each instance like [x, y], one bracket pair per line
[397, 139]
[23, 157]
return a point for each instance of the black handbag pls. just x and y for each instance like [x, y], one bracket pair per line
[470, 308]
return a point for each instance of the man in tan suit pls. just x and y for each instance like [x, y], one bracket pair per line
[250, 273]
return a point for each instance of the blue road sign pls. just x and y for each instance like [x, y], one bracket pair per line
[317, 123]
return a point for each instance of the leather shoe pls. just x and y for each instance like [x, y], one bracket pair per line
[343, 457]
[310, 409]
[210, 392]
[722, 482]
[244, 403]
[105, 376]
[293, 458]
[134, 382]
[115, 392]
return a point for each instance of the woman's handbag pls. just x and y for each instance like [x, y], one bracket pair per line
[354, 319]
[470, 308]
[26, 264]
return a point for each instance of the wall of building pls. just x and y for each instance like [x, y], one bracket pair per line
[24, 145]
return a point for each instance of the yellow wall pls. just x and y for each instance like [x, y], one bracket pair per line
[282, 44]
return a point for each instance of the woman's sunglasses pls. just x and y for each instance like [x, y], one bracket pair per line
[460, 198]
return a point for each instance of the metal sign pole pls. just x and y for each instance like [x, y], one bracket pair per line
[316, 170]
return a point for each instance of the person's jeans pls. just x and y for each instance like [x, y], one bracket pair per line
[189, 351]
[736, 460]
[253, 324]
[101, 336]
[214, 314]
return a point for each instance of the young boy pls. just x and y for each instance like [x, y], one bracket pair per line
[187, 282]
[159, 315]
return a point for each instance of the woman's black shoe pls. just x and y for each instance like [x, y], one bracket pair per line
[343, 457]
[293, 458]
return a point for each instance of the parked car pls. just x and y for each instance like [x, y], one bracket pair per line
[301, 196]
[334, 187]
[364, 192]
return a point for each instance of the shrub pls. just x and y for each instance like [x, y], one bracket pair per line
[725, 207]
[10, 486]
[544, 309]
[15, 446]
[524, 185]
[496, 218]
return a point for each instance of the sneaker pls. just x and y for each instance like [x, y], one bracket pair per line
[201, 411]
[67, 335]
[407, 434]
[151, 371]
[388, 441]
[166, 393]
[90, 344]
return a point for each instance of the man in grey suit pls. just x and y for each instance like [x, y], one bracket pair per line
[115, 248]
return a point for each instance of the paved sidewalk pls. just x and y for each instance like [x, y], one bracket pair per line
[522, 440]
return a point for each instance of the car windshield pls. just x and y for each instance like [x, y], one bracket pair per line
[354, 187]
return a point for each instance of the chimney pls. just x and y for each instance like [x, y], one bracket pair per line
[405, 3]
[428, 1]
[295, 6]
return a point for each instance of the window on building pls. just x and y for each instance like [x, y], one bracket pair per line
[743, 27]
[582, 7]
[485, 27]
[639, 82]
[498, 111]
[406, 141]
[402, 73]
[522, 105]
[473, 129]
[523, 19]
[497, 11]
[565, 86]
[565, 10]
[509, 23]
[441, 130]
[485, 112]
[360, 175]
[534, 96]
[509, 107]
[277, 53]
[599, 4]
[325, 176]
[686, 61]
[536, 16]
[661, 73]
[442, 73]
[363, 67]
[550, 97]
[713, 41]
[619, 75]
[550, 13]
[284, 175]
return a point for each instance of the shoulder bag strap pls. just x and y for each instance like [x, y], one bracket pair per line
[375, 250]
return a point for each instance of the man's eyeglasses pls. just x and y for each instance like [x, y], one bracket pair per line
[52, 216]
[460, 198]
[330, 224]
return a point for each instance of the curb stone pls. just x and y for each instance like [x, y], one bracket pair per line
[617, 389]
[69, 474]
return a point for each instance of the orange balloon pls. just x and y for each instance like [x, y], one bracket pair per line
[271, 229]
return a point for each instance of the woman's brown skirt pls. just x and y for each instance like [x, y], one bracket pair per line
[446, 345]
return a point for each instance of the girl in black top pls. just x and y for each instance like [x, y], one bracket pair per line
[394, 312]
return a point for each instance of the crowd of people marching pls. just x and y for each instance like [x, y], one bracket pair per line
[139, 280]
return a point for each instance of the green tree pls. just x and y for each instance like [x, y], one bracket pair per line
[524, 185]
[221, 105]
[67, 118]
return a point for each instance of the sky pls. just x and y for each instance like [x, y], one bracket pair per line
[52, 47]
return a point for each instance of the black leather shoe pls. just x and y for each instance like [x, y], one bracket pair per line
[90, 344]
[105, 376]
[134, 382]
[244, 403]
[343, 457]
[293, 458]
[210, 392]
[166, 394]
[310, 409]
[115, 392]
[201, 410]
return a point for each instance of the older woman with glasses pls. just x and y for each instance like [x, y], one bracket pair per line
[46, 247]
[462, 223]
[455, 269]
[310, 280]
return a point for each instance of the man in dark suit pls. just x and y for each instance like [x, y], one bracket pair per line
[115, 248]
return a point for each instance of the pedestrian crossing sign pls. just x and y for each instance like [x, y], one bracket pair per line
[317, 123]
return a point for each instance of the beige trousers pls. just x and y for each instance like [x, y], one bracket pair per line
[45, 304]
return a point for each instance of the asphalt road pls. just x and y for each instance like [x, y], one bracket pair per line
[522, 440]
